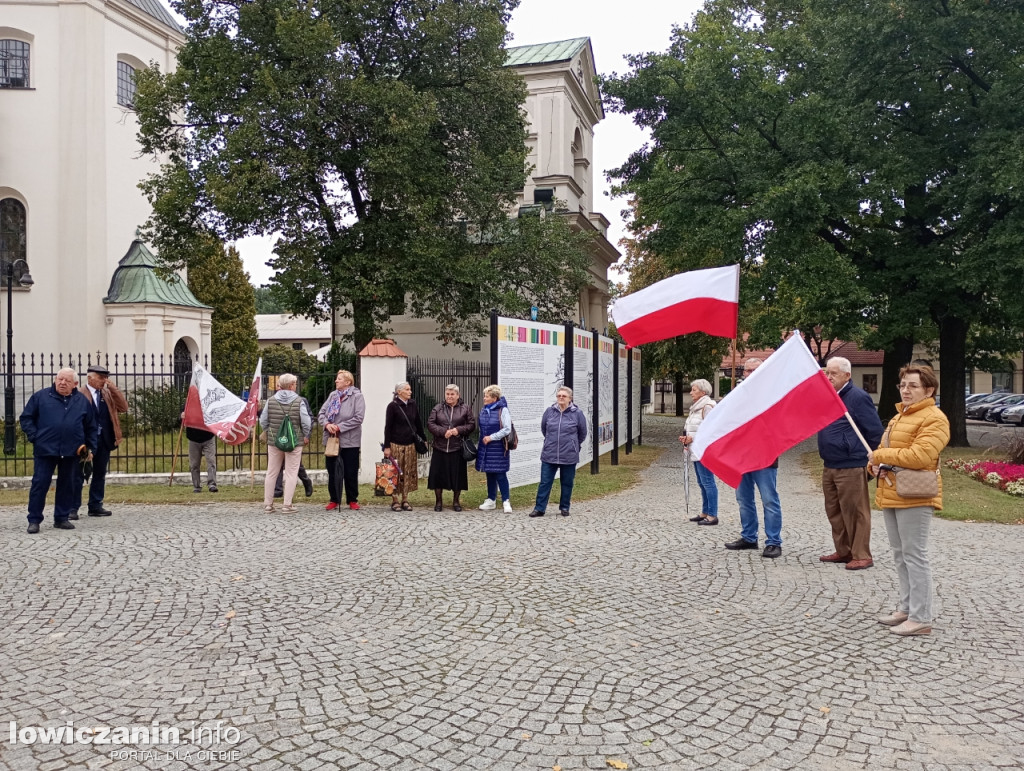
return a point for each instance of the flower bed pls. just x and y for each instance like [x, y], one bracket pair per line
[1007, 477]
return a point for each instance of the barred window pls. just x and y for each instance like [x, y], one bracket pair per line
[13, 64]
[125, 85]
[12, 232]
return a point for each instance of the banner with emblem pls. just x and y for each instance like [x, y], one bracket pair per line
[212, 407]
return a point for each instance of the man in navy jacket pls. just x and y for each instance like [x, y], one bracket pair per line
[58, 421]
[844, 479]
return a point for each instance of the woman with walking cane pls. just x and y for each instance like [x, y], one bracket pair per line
[700, 393]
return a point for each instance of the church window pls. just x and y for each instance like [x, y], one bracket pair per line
[12, 232]
[14, 64]
[125, 85]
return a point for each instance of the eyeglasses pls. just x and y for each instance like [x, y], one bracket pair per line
[908, 386]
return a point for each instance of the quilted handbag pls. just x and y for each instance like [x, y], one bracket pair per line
[915, 483]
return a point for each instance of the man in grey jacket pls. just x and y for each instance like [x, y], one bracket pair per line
[564, 427]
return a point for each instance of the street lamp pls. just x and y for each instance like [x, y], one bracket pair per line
[24, 279]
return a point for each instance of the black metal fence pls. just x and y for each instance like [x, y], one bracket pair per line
[428, 378]
[155, 387]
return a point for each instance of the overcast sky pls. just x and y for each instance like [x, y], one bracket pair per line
[615, 29]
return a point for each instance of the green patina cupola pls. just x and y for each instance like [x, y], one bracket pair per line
[135, 281]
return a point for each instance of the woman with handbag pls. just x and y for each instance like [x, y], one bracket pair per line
[286, 424]
[492, 455]
[342, 419]
[910, 491]
[450, 422]
[700, 392]
[403, 441]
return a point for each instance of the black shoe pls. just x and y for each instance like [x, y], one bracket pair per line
[457, 507]
[536, 513]
[771, 552]
[213, 489]
[33, 527]
[62, 525]
[698, 518]
[73, 515]
[197, 489]
[564, 512]
[741, 544]
[307, 485]
[100, 512]
[438, 507]
[709, 521]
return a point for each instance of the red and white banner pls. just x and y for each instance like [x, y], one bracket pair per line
[780, 404]
[698, 301]
[212, 407]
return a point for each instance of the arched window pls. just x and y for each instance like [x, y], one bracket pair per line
[125, 84]
[14, 59]
[12, 232]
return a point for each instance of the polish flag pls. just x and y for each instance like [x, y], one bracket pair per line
[780, 404]
[698, 301]
[212, 407]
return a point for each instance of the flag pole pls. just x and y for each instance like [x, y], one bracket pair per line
[860, 436]
[732, 385]
[174, 454]
[252, 461]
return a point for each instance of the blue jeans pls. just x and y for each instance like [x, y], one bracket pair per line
[567, 473]
[64, 504]
[497, 480]
[708, 489]
[765, 481]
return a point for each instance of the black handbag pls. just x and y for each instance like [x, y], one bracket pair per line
[468, 449]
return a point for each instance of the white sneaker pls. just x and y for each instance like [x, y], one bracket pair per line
[487, 505]
[507, 507]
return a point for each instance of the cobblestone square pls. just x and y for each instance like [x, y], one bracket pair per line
[481, 640]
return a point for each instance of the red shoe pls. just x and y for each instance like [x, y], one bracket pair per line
[354, 506]
[859, 564]
[331, 506]
[833, 557]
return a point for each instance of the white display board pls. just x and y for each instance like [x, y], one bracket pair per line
[623, 393]
[583, 387]
[637, 380]
[531, 367]
[605, 430]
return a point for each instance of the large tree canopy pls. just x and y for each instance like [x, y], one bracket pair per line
[862, 161]
[383, 140]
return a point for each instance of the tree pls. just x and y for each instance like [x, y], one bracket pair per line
[378, 138]
[268, 300]
[218, 279]
[862, 167]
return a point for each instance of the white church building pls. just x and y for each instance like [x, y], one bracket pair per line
[69, 172]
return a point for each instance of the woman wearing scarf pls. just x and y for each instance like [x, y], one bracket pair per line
[342, 417]
[402, 427]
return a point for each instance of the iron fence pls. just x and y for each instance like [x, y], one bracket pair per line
[156, 387]
[428, 378]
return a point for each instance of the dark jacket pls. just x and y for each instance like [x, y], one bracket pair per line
[493, 458]
[398, 430]
[564, 432]
[443, 417]
[58, 425]
[838, 445]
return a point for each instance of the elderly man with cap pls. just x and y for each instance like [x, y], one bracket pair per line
[61, 426]
[107, 401]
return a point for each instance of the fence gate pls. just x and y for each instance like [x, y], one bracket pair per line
[428, 377]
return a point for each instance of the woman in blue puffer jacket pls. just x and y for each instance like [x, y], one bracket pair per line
[492, 456]
[564, 427]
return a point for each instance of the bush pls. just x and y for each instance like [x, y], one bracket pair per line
[320, 383]
[155, 409]
[1013, 446]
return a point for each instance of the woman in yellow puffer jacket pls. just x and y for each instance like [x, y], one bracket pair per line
[912, 440]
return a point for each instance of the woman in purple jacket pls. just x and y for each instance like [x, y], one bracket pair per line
[564, 427]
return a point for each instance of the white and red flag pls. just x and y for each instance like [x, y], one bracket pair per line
[212, 407]
[698, 301]
[780, 404]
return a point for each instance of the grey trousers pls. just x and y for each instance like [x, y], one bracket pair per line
[908, 536]
[196, 452]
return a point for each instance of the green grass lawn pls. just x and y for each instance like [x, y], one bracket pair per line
[611, 479]
[963, 498]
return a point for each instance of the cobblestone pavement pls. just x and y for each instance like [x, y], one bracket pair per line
[375, 640]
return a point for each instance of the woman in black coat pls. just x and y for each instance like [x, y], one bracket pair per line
[401, 428]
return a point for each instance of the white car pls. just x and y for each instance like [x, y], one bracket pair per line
[1014, 415]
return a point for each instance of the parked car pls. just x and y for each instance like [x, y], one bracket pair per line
[1014, 415]
[995, 414]
[972, 398]
[977, 410]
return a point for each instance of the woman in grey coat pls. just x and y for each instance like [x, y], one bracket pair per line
[564, 427]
